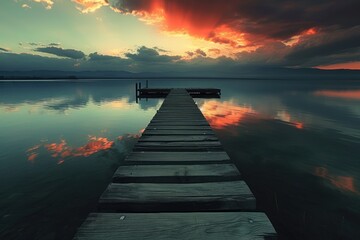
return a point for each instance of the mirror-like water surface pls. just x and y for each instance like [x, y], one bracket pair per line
[296, 143]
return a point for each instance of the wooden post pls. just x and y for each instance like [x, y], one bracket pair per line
[136, 92]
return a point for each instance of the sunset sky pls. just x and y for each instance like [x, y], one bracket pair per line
[178, 35]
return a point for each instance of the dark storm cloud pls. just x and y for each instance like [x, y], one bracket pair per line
[150, 55]
[200, 52]
[25, 62]
[160, 50]
[3, 49]
[69, 53]
[341, 44]
[276, 19]
[99, 57]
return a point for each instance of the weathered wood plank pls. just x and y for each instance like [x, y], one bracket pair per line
[176, 173]
[177, 132]
[179, 144]
[178, 138]
[177, 226]
[179, 116]
[177, 157]
[176, 110]
[178, 148]
[179, 110]
[164, 197]
[179, 123]
[152, 127]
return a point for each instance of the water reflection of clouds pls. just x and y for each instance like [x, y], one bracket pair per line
[62, 151]
[61, 105]
[226, 113]
[345, 183]
[343, 94]
[221, 114]
[286, 117]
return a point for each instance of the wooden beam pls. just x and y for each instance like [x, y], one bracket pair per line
[177, 226]
[164, 197]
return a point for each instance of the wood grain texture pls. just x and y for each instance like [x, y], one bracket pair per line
[176, 173]
[177, 226]
[179, 123]
[179, 118]
[164, 197]
[177, 157]
[177, 132]
[153, 127]
[178, 146]
[186, 120]
[176, 138]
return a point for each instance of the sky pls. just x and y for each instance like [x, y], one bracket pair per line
[178, 35]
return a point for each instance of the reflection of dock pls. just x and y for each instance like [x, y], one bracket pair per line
[178, 183]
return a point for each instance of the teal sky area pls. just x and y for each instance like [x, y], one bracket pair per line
[101, 31]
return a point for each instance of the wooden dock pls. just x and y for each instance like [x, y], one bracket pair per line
[178, 183]
[163, 92]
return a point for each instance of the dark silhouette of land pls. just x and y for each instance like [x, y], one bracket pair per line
[250, 72]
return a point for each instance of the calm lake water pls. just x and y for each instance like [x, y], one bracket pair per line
[296, 143]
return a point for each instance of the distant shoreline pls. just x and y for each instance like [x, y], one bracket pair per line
[247, 74]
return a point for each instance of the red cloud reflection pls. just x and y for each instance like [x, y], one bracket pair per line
[346, 94]
[286, 117]
[32, 155]
[94, 145]
[62, 150]
[222, 114]
[342, 182]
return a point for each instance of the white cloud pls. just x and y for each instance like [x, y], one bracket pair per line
[25, 6]
[47, 3]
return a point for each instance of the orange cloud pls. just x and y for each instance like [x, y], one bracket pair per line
[237, 23]
[223, 114]
[346, 94]
[349, 65]
[345, 183]
[87, 6]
